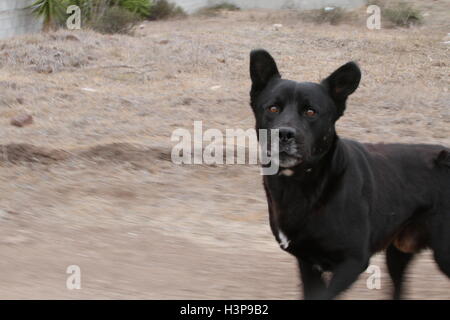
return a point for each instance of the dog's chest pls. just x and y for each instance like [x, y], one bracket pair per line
[301, 230]
[289, 216]
[297, 227]
[310, 248]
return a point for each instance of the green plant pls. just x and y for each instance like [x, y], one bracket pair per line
[91, 8]
[163, 9]
[140, 7]
[51, 11]
[380, 3]
[225, 6]
[215, 10]
[115, 19]
[112, 16]
[84, 5]
[402, 14]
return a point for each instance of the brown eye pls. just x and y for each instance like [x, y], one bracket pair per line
[310, 112]
[274, 109]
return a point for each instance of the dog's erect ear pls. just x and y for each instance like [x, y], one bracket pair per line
[262, 69]
[342, 83]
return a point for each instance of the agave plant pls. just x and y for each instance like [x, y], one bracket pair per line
[52, 12]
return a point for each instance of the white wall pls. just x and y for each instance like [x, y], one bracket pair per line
[193, 5]
[15, 20]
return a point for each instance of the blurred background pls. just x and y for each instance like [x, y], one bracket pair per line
[86, 116]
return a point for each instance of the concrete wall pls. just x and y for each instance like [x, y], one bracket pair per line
[15, 20]
[193, 5]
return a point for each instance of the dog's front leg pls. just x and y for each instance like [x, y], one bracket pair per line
[344, 274]
[312, 281]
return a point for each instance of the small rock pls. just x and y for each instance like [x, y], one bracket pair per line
[22, 120]
[16, 239]
[127, 102]
[142, 26]
[44, 69]
[187, 101]
[20, 100]
[164, 42]
[72, 37]
[215, 87]
[277, 26]
[439, 64]
[89, 89]
[221, 60]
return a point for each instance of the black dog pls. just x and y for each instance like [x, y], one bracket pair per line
[335, 202]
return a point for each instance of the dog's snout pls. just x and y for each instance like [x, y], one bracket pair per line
[286, 134]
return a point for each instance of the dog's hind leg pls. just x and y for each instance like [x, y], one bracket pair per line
[443, 261]
[440, 243]
[397, 261]
[440, 235]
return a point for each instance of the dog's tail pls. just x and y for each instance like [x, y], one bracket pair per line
[443, 159]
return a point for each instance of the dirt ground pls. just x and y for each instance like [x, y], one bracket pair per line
[90, 182]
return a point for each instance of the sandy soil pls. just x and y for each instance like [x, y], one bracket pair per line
[90, 182]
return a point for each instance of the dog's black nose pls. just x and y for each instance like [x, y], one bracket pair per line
[286, 134]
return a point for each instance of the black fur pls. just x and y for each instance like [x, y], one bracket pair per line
[342, 200]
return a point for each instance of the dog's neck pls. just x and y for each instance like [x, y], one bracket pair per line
[294, 198]
[311, 180]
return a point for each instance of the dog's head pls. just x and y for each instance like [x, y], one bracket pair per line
[304, 113]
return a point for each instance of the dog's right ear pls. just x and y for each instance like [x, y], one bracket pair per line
[262, 69]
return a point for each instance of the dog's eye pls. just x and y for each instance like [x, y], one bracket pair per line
[274, 109]
[310, 112]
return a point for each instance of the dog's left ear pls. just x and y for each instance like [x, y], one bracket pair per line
[342, 83]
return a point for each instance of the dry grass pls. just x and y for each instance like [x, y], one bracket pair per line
[333, 16]
[166, 230]
[399, 13]
[185, 57]
[48, 53]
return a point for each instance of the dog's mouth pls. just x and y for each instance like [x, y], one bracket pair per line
[288, 160]
[288, 156]
[285, 159]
